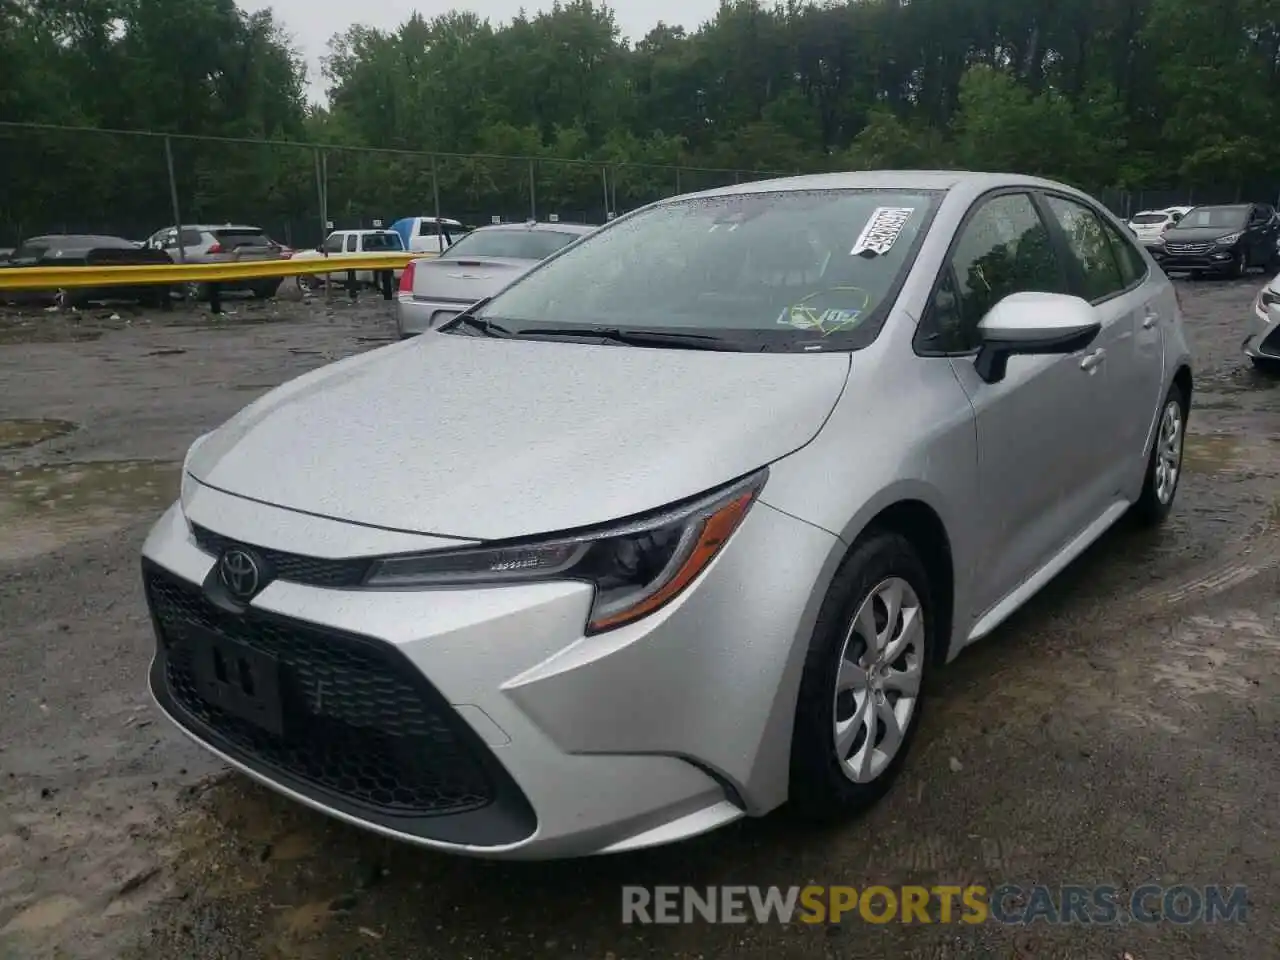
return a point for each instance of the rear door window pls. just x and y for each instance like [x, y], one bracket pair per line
[353, 243]
[1133, 268]
[1099, 271]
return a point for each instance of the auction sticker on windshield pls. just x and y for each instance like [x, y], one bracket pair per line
[882, 231]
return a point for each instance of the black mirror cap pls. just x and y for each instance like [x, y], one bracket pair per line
[992, 361]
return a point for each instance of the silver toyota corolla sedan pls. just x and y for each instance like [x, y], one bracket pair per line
[675, 528]
[1262, 345]
[434, 291]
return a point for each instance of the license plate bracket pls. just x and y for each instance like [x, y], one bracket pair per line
[236, 678]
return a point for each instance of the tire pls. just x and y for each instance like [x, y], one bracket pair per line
[1265, 365]
[1239, 266]
[824, 784]
[266, 290]
[1158, 489]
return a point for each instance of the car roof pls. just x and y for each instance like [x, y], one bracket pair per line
[884, 179]
[214, 226]
[79, 240]
[538, 227]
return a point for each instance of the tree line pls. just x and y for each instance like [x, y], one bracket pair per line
[1129, 94]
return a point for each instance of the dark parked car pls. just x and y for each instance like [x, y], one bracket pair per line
[76, 250]
[1227, 239]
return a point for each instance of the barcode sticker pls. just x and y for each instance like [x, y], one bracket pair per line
[882, 231]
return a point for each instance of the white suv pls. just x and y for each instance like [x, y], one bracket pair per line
[1149, 225]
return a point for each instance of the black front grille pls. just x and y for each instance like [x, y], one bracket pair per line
[293, 567]
[364, 731]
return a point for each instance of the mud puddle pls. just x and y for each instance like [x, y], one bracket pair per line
[46, 507]
[18, 434]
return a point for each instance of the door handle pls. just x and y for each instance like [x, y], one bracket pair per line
[1150, 319]
[1090, 363]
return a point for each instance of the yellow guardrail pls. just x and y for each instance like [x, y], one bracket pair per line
[137, 275]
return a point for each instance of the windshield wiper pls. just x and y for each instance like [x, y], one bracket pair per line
[467, 318]
[634, 338]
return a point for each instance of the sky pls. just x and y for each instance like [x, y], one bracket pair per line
[312, 22]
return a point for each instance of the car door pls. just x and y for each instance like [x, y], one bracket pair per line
[1128, 348]
[1036, 427]
[1260, 235]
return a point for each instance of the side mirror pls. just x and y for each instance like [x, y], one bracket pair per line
[1031, 324]
[1174, 218]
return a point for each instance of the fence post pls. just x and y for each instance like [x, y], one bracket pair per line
[435, 195]
[533, 190]
[173, 198]
[322, 191]
[677, 181]
[604, 182]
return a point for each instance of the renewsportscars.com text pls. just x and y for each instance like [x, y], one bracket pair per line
[1009, 904]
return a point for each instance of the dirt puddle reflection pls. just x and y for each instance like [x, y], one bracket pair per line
[46, 507]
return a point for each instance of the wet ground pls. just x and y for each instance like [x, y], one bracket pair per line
[1122, 729]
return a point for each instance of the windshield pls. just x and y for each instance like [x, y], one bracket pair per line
[1214, 217]
[383, 241]
[1144, 219]
[512, 244]
[762, 269]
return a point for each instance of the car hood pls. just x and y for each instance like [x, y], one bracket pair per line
[467, 279]
[1199, 234]
[483, 438]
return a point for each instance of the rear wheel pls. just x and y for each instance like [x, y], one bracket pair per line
[1164, 466]
[266, 289]
[863, 682]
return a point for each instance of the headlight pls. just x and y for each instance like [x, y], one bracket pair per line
[1229, 239]
[636, 567]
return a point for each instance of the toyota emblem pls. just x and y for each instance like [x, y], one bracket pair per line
[240, 573]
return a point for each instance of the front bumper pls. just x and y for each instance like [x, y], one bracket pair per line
[415, 316]
[483, 721]
[1262, 341]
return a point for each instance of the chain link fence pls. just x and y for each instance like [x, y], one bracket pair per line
[130, 184]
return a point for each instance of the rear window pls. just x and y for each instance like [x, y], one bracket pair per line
[383, 241]
[242, 238]
[513, 244]
[1147, 218]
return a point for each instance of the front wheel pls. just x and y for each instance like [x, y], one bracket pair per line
[1239, 266]
[863, 682]
[1164, 466]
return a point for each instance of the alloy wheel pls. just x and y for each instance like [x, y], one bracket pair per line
[878, 682]
[1169, 451]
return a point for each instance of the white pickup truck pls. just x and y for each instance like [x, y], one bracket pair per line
[428, 234]
[350, 243]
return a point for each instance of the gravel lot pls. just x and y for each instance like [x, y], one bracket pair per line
[1122, 729]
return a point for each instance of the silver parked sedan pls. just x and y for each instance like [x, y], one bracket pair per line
[1262, 345]
[676, 527]
[436, 290]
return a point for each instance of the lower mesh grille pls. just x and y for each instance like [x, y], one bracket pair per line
[357, 723]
